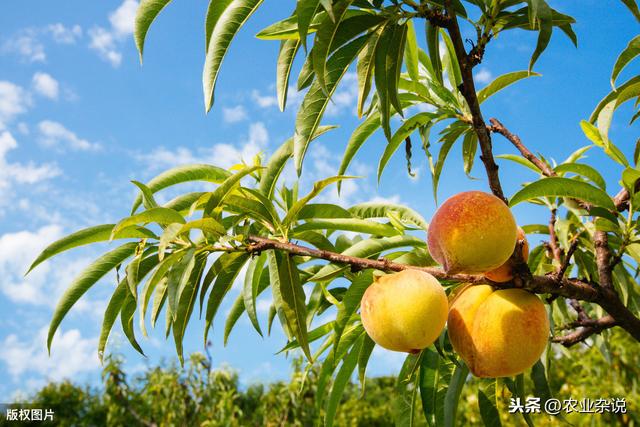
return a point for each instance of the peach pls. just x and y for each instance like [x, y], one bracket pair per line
[404, 311]
[506, 271]
[498, 333]
[472, 232]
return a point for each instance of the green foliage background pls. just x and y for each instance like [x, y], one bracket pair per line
[200, 396]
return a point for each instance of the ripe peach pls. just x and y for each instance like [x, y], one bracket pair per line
[506, 271]
[498, 333]
[404, 311]
[472, 232]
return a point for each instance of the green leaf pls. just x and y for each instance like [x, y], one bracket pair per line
[207, 225]
[469, 149]
[521, 161]
[349, 224]
[452, 134]
[627, 55]
[599, 139]
[220, 193]
[157, 215]
[287, 29]
[99, 233]
[433, 46]
[313, 335]
[292, 213]
[406, 129]
[224, 19]
[369, 248]
[278, 160]
[230, 265]
[487, 403]
[323, 210]
[411, 53]
[406, 391]
[288, 50]
[429, 382]
[387, 63]
[110, 315]
[147, 12]
[350, 302]
[147, 196]
[452, 67]
[339, 384]
[357, 139]
[633, 7]
[187, 299]
[305, 10]
[563, 187]
[85, 280]
[324, 39]
[316, 100]
[585, 170]
[612, 96]
[502, 82]
[364, 68]
[543, 15]
[363, 359]
[252, 287]
[160, 273]
[177, 279]
[381, 210]
[126, 320]
[181, 174]
[290, 298]
[453, 394]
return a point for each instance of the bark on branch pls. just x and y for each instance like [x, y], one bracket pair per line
[468, 90]
[550, 284]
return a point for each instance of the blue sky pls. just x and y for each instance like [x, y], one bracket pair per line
[80, 118]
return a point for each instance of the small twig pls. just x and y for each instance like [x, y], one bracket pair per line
[567, 258]
[498, 127]
[553, 239]
[586, 329]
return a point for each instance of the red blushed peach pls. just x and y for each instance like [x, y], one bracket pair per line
[472, 232]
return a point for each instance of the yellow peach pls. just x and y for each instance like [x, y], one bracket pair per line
[498, 333]
[404, 311]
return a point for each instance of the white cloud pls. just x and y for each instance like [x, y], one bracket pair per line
[123, 18]
[17, 172]
[46, 85]
[345, 97]
[107, 42]
[223, 155]
[234, 114]
[65, 35]
[483, 76]
[71, 354]
[27, 42]
[14, 100]
[54, 134]
[17, 252]
[104, 42]
[264, 101]
[27, 45]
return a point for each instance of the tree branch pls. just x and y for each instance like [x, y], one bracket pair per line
[468, 90]
[588, 327]
[553, 239]
[549, 284]
[498, 127]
